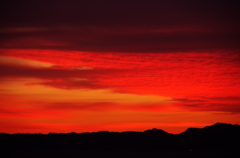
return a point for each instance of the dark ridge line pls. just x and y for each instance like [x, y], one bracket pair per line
[217, 137]
[149, 130]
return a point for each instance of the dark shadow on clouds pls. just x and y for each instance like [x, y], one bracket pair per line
[121, 26]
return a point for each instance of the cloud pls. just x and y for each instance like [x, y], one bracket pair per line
[69, 83]
[221, 104]
[146, 40]
[17, 62]
[22, 29]
[229, 98]
[78, 77]
[112, 105]
[178, 75]
[41, 72]
[108, 12]
[51, 75]
[186, 100]
[81, 106]
[8, 111]
[221, 107]
[121, 26]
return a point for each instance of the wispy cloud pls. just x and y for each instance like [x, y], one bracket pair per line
[148, 26]
[220, 104]
[109, 62]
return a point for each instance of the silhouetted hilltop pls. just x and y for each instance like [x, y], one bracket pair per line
[218, 137]
[157, 131]
[218, 128]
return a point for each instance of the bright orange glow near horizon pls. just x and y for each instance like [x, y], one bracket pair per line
[169, 91]
[81, 66]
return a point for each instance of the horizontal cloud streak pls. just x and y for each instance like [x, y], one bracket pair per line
[109, 39]
[223, 104]
[148, 26]
[54, 76]
[117, 64]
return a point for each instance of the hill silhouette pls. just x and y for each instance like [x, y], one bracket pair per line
[218, 137]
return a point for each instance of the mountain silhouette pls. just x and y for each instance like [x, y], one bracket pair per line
[157, 131]
[217, 137]
[220, 136]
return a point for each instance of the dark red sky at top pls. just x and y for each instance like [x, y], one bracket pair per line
[118, 65]
[121, 26]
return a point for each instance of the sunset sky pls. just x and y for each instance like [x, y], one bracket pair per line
[89, 65]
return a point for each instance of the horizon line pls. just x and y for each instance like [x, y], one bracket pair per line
[124, 131]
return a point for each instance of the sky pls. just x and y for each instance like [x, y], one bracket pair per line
[87, 66]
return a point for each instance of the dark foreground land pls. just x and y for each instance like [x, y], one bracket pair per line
[94, 154]
[218, 140]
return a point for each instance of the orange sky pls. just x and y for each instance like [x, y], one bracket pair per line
[90, 67]
[116, 91]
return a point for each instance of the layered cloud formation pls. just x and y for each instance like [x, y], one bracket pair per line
[118, 65]
[121, 26]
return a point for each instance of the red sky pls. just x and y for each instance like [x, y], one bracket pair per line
[118, 66]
